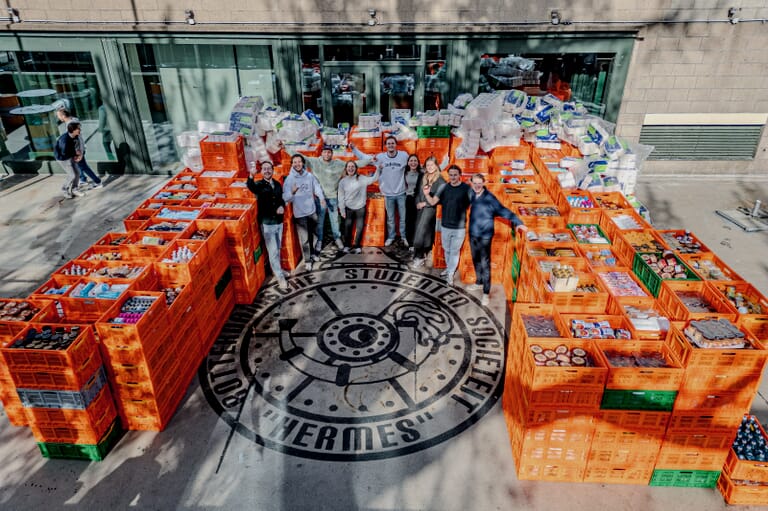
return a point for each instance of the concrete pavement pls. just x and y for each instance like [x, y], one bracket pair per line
[201, 462]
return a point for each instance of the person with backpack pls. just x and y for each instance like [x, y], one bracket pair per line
[65, 152]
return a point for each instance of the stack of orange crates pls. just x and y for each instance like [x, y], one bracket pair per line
[549, 410]
[745, 481]
[58, 375]
[224, 155]
[437, 147]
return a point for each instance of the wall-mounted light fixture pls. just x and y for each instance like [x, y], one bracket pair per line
[372, 20]
[190, 17]
[733, 15]
[554, 17]
[13, 14]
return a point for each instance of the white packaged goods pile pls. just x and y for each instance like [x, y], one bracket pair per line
[480, 124]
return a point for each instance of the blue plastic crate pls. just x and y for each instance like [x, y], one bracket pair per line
[65, 399]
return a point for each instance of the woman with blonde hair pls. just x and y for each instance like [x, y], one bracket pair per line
[424, 236]
[353, 194]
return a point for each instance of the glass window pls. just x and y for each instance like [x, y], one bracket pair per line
[178, 85]
[361, 52]
[311, 82]
[436, 86]
[582, 77]
[33, 86]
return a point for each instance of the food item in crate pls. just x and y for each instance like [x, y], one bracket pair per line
[665, 265]
[563, 278]
[606, 203]
[532, 235]
[646, 318]
[619, 283]
[172, 195]
[17, 311]
[118, 240]
[152, 240]
[133, 309]
[715, 333]
[119, 272]
[105, 256]
[168, 226]
[626, 222]
[644, 359]
[180, 255]
[709, 270]
[580, 201]
[100, 290]
[582, 329]
[588, 233]
[643, 241]
[171, 293]
[602, 257]
[743, 303]
[694, 301]
[75, 270]
[561, 356]
[539, 211]
[683, 242]
[540, 326]
[201, 234]
[48, 338]
[750, 444]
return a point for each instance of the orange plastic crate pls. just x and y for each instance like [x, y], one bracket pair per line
[613, 447]
[725, 420]
[543, 471]
[633, 420]
[702, 263]
[696, 451]
[35, 311]
[112, 239]
[74, 433]
[543, 377]
[621, 305]
[74, 356]
[670, 301]
[626, 244]
[624, 288]
[615, 322]
[742, 294]
[65, 378]
[142, 333]
[532, 216]
[611, 200]
[148, 245]
[637, 473]
[501, 156]
[694, 245]
[641, 378]
[183, 271]
[144, 272]
[103, 405]
[576, 302]
[742, 494]
[157, 368]
[578, 214]
[715, 402]
[742, 361]
[756, 326]
[613, 222]
[717, 381]
[154, 224]
[519, 335]
[748, 470]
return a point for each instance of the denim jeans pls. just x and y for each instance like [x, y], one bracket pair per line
[481, 258]
[305, 229]
[86, 171]
[71, 176]
[332, 208]
[390, 204]
[273, 239]
[452, 240]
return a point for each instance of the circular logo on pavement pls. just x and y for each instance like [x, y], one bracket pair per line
[356, 362]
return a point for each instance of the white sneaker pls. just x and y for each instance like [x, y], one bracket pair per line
[315, 258]
[417, 263]
[308, 266]
[444, 273]
[319, 246]
[357, 250]
[449, 279]
[405, 242]
[97, 186]
[485, 300]
[345, 250]
[339, 243]
[282, 283]
[77, 193]
[388, 242]
[474, 287]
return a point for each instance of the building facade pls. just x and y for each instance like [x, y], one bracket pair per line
[687, 76]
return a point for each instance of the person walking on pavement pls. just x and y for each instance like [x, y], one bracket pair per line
[455, 197]
[484, 209]
[65, 152]
[424, 237]
[353, 194]
[329, 171]
[413, 173]
[391, 164]
[85, 171]
[271, 206]
[300, 189]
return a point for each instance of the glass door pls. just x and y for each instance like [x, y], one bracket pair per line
[368, 88]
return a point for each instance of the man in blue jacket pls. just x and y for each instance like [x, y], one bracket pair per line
[485, 208]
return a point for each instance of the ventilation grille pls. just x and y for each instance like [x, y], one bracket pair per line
[693, 142]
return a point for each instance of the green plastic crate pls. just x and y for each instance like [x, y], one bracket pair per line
[685, 478]
[599, 230]
[433, 131]
[648, 277]
[659, 400]
[84, 451]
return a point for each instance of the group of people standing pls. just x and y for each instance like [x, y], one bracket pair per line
[411, 195]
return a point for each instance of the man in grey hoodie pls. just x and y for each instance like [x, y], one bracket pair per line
[328, 172]
[300, 189]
